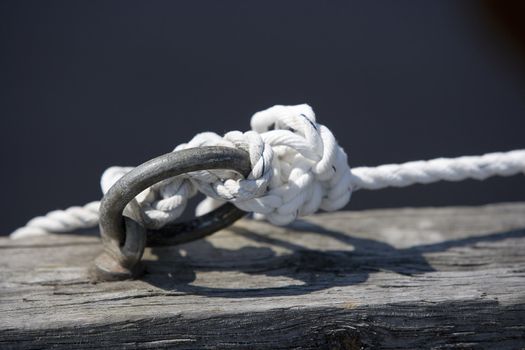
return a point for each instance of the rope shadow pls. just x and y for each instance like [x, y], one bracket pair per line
[311, 269]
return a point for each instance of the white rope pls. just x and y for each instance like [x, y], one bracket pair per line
[449, 169]
[71, 219]
[297, 169]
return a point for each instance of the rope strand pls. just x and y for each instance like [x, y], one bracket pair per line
[439, 169]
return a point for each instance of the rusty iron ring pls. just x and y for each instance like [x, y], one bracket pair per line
[125, 237]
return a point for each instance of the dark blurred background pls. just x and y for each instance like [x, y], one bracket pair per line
[89, 84]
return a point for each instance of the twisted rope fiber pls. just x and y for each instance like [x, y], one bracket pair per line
[297, 169]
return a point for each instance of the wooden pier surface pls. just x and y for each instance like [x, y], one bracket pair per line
[396, 279]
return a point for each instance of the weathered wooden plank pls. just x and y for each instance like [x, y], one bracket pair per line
[406, 278]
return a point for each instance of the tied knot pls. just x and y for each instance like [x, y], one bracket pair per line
[297, 169]
[310, 170]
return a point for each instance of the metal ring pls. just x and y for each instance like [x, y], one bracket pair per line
[124, 239]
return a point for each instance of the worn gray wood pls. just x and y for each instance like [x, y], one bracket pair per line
[407, 278]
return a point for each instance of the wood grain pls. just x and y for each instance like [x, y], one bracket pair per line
[406, 278]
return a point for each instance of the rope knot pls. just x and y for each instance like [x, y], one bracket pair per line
[297, 168]
[309, 169]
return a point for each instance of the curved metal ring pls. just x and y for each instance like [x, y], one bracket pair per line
[124, 239]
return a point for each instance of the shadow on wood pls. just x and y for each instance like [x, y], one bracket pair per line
[315, 270]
